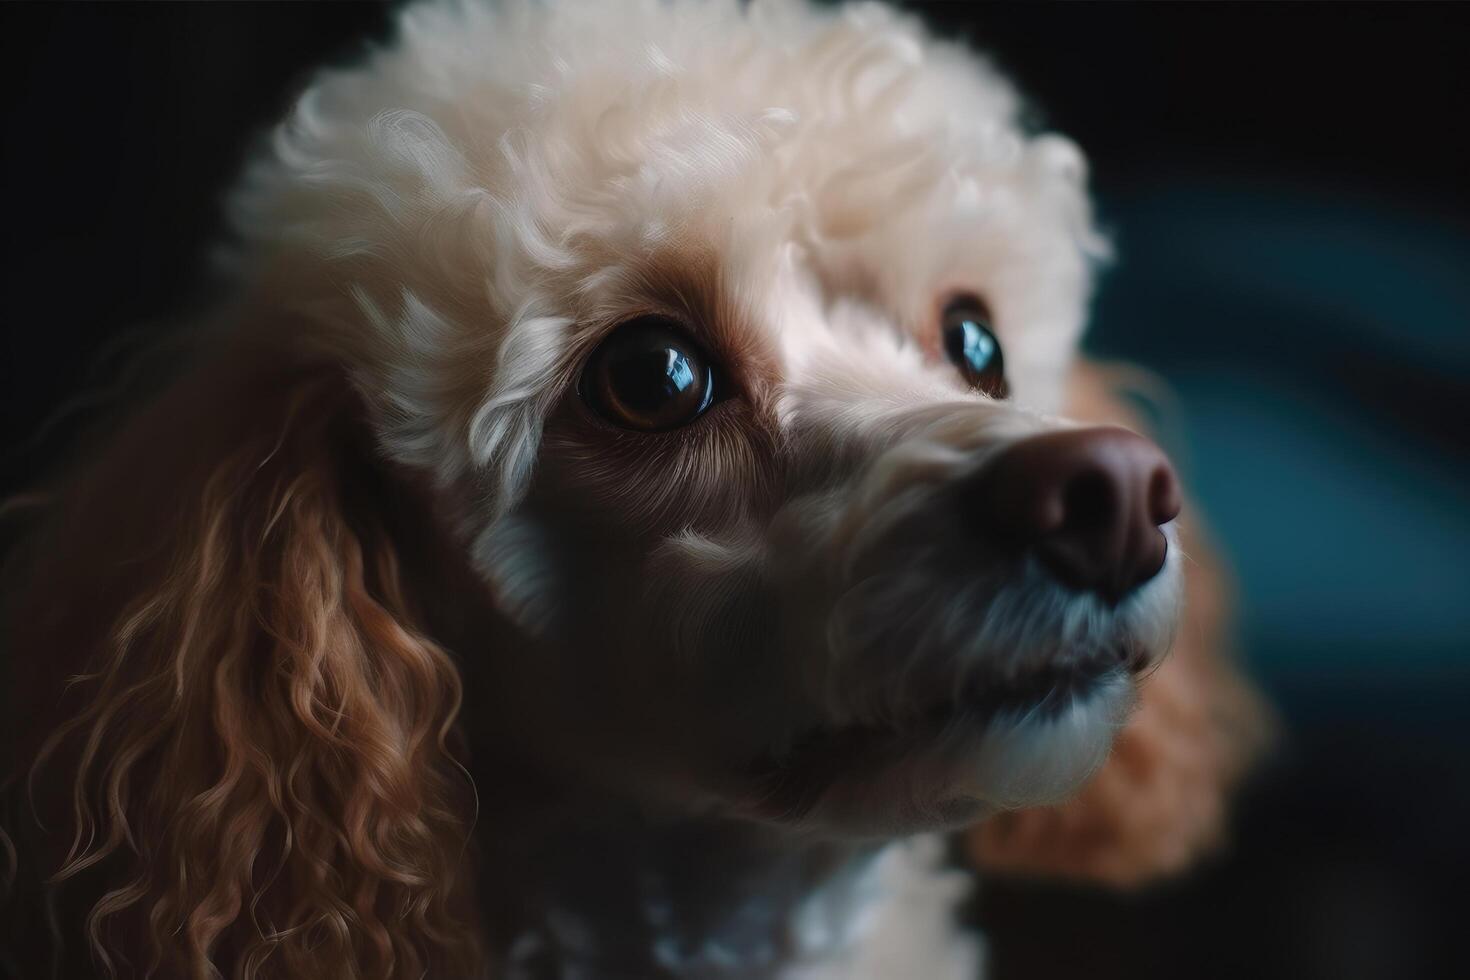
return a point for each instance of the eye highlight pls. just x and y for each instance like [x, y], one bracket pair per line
[972, 345]
[648, 375]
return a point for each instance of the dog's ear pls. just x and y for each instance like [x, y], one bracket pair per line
[1159, 801]
[252, 758]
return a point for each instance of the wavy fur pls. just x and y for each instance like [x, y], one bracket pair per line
[257, 760]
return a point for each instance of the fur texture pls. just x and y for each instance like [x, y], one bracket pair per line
[707, 675]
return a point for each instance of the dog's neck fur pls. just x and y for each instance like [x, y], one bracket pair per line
[609, 891]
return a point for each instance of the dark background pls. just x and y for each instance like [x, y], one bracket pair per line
[1287, 188]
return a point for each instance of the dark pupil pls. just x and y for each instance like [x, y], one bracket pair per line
[974, 349]
[648, 377]
[647, 380]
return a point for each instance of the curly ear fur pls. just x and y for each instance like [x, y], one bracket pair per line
[251, 775]
[1159, 801]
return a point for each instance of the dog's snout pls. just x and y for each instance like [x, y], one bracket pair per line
[1088, 502]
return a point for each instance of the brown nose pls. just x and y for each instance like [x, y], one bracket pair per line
[1088, 502]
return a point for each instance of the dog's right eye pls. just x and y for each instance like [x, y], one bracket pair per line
[649, 375]
[972, 345]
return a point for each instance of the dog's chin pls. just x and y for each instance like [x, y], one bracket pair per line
[1020, 744]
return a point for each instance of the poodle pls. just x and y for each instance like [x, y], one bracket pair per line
[639, 497]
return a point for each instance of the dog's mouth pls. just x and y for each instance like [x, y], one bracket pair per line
[793, 781]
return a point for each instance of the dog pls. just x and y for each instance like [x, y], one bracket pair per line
[641, 494]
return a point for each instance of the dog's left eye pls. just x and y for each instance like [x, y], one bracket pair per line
[649, 375]
[971, 344]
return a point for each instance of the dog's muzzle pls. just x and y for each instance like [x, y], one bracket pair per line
[971, 588]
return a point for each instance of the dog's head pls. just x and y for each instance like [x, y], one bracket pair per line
[733, 344]
[718, 354]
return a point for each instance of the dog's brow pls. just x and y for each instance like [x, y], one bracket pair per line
[690, 281]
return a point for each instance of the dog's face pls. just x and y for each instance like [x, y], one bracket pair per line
[734, 344]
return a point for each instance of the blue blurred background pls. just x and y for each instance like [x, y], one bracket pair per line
[1288, 188]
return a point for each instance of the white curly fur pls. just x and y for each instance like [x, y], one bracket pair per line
[486, 183]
